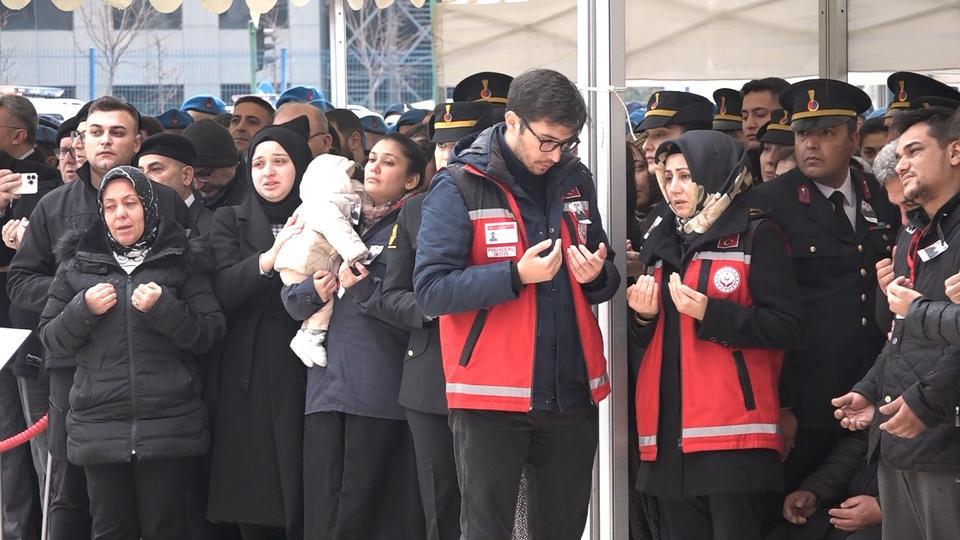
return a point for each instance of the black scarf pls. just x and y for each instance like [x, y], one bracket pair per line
[151, 214]
[292, 136]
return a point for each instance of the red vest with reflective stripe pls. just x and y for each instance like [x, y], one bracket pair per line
[729, 398]
[488, 354]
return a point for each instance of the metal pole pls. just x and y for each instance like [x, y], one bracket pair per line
[253, 56]
[46, 499]
[601, 60]
[338, 54]
[833, 39]
[92, 73]
[283, 70]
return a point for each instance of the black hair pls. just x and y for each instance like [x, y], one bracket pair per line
[871, 126]
[774, 85]
[346, 121]
[937, 119]
[416, 157]
[112, 104]
[546, 95]
[954, 131]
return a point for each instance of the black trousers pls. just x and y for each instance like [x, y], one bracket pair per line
[436, 473]
[492, 448]
[726, 516]
[69, 505]
[359, 479]
[21, 493]
[141, 500]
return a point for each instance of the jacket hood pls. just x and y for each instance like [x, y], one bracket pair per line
[171, 240]
[327, 174]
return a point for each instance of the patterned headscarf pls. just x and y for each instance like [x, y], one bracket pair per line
[151, 214]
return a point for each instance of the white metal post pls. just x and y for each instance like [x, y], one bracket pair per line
[602, 25]
[833, 39]
[338, 53]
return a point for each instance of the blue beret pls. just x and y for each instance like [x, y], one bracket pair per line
[399, 108]
[374, 124]
[300, 94]
[47, 135]
[174, 119]
[411, 117]
[204, 103]
[323, 105]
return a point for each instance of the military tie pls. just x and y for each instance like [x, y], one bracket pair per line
[837, 199]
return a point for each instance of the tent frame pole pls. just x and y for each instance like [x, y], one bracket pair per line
[338, 53]
[833, 39]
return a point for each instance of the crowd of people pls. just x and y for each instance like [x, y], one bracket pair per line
[288, 321]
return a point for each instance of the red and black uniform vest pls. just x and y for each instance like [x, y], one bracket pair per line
[729, 397]
[488, 354]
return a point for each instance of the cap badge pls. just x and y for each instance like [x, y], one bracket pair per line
[309, 95]
[174, 120]
[784, 120]
[485, 92]
[902, 94]
[656, 101]
[723, 104]
[447, 117]
[813, 104]
[208, 104]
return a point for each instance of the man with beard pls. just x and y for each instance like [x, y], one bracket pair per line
[219, 176]
[839, 223]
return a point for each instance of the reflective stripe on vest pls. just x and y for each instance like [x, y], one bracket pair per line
[490, 213]
[648, 441]
[599, 381]
[722, 256]
[485, 390]
[741, 429]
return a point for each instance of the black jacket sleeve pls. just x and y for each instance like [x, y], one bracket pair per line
[66, 323]
[194, 322]
[773, 321]
[301, 299]
[830, 481]
[937, 395]
[33, 266]
[237, 276]
[398, 301]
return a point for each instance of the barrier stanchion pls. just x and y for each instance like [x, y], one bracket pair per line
[46, 499]
[12, 442]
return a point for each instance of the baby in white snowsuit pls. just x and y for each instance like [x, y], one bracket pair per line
[329, 202]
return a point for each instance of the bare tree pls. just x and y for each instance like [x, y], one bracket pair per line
[380, 41]
[113, 33]
[7, 60]
[166, 93]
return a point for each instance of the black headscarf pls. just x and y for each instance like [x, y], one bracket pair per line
[151, 214]
[718, 165]
[292, 136]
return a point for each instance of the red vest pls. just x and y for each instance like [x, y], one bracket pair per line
[488, 354]
[729, 397]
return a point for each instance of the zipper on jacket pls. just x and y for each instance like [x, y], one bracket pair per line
[473, 336]
[956, 417]
[133, 371]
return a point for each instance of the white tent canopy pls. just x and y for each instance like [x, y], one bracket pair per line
[700, 39]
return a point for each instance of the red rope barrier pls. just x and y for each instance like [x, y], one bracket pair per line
[24, 436]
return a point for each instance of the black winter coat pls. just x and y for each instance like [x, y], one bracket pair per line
[136, 391]
[422, 385]
[845, 473]
[835, 270]
[918, 363]
[256, 460]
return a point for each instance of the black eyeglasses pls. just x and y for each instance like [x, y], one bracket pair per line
[549, 145]
[62, 153]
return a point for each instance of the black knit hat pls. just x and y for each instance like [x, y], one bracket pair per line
[172, 146]
[213, 144]
[67, 127]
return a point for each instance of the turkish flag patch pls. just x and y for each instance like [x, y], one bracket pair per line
[729, 242]
[573, 193]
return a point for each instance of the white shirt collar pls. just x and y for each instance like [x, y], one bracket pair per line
[27, 154]
[189, 200]
[850, 196]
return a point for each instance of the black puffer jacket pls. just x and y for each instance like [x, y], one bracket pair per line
[920, 362]
[137, 386]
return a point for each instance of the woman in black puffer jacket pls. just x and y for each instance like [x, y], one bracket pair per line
[133, 303]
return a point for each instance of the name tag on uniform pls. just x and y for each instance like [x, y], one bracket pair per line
[579, 210]
[495, 234]
[372, 253]
[931, 251]
[502, 252]
[867, 211]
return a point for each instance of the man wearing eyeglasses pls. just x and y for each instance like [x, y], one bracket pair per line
[511, 255]
[320, 139]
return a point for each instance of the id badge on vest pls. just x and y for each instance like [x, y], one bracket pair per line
[501, 239]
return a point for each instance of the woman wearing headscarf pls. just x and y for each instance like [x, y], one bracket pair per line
[718, 305]
[133, 303]
[256, 461]
[360, 474]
